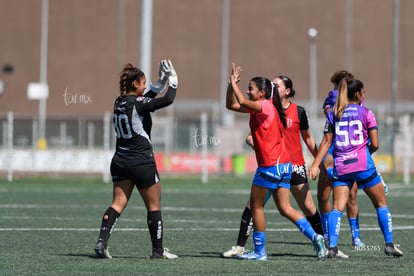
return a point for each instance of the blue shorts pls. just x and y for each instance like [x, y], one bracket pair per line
[330, 151]
[273, 177]
[364, 179]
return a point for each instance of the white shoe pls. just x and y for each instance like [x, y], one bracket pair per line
[166, 254]
[335, 253]
[252, 256]
[234, 251]
[393, 250]
[341, 255]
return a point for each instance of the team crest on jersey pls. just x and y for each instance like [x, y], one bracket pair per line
[289, 122]
[144, 99]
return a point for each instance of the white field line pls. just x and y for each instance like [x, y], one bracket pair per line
[164, 208]
[67, 229]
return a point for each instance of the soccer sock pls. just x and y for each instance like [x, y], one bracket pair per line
[306, 228]
[154, 221]
[108, 223]
[315, 221]
[334, 226]
[354, 226]
[246, 226]
[259, 240]
[385, 223]
[324, 221]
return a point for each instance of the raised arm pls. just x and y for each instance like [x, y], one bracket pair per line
[241, 99]
[231, 101]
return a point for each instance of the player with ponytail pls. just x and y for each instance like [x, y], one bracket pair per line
[352, 130]
[267, 123]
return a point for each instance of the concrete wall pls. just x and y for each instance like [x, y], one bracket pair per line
[268, 37]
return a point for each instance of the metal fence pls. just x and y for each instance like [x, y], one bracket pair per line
[182, 132]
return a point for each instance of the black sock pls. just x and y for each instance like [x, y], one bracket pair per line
[246, 227]
[154, 221]
[108, 223]
[315, 221]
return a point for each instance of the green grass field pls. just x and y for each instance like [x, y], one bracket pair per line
[49, 226]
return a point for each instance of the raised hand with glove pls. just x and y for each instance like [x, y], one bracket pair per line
[163, 73]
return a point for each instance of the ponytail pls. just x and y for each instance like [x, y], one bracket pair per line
[348, 88]
[342, 100]
[278, 104]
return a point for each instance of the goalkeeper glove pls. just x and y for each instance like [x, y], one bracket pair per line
[163, 73]
[172, 79]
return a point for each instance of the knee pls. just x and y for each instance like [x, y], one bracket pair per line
[285, 211]
[352, 203]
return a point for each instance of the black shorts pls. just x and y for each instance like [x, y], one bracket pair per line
[298, 175]
[143, 175]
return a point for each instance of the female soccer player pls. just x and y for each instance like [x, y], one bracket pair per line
[350, 126]
[267, 123]
[133, 164]
[325, 176]
[297, 126]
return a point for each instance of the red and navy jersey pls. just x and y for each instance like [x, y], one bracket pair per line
[133, 123]
[296, 120]
[267, 134]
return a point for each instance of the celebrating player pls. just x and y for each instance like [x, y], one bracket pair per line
[133, 164]
[297, 126]
[267, 123]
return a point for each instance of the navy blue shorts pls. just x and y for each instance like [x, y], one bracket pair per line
[364, 179]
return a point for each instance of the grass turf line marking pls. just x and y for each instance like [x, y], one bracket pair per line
[145, 229]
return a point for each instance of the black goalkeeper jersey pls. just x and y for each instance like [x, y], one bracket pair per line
[133, 123]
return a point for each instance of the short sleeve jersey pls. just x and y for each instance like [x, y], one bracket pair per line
[297, 120]
[351, 137]
[267, 134]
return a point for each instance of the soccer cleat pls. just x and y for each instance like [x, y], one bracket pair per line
[335, 253]
[234, 251]
[165, 255]
[253, 256]
[358, 243]
[392, 250]
[319, 245]
[101, 250]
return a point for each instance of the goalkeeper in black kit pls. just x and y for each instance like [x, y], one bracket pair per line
[133, 164]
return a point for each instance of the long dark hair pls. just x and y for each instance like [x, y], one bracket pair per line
[288, 84]
[270, 90]
[128, 75]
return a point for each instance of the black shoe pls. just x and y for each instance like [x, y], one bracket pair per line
[101, 250]
[392, 250]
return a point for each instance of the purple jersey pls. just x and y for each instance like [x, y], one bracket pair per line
[350, 138]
